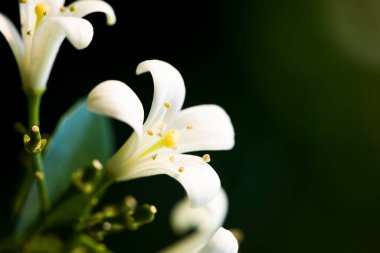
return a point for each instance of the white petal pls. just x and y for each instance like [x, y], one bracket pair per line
[198, 178]
[12, 35]
[206, 219]
[115, 99]
[210, 129]
[85, 7]
[28, 22]
[47, 41]
[168, 87]
[223, 241]
[55, 6]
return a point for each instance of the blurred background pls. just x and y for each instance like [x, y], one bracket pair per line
[301, 83]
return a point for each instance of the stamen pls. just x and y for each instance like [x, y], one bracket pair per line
[23, 1]
[154, 156]
[171, 158]
[62, 9]
[181, 169]
[41, 11]
[72, 8]
[159, 134]
[29, 32]
[206, 158]
[171, 138]
[167, 105]
[189, 127]
[150, 132]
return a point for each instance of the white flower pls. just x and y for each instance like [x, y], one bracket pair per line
[44, 25]
[209, 236]
[157, 146]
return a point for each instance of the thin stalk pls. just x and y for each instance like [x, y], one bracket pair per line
[34, 102]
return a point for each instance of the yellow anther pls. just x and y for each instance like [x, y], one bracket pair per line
[72, 8]
[167, 105]
[171, 158]
[159, 134]
[29, 32]
[206, 158]
[62, 9]
[171, 138]
[189, 127]
[150, 132]
[23, 1]
[181, 169]
[154, 157]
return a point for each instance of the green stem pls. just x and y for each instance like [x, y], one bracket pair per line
[40, 177]
[34, 102]
[97, 194]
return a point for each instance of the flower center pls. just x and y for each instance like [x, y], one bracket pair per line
[169, 140]
[41, 11]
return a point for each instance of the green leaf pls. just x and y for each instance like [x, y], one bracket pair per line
[80, 137]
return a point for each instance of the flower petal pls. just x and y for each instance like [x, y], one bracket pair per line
[28, 22]
[169, 88]
[223, 241]
[85, 7]
[198, 178]
[115, 99]
[13, 37]
[55, 6]
[47, 41]
[207, 220]
[204, 127]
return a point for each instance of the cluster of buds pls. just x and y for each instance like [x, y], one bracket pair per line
[118, 217]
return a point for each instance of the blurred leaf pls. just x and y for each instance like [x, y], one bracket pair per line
[80, 137]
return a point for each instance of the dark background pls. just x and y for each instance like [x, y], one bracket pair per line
[301, 82]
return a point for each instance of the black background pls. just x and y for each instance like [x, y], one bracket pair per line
[300, 80]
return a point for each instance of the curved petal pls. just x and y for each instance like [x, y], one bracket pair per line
[85, 7]
[13, 37]
[55, 6]
[223, 241]
[28, 21]
[115, 99]
[207, 220]
[197, 177]
[204, 127]
[47, 41]
[169, 88]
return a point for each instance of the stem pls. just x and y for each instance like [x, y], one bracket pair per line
[39, 176]
[34, 102]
